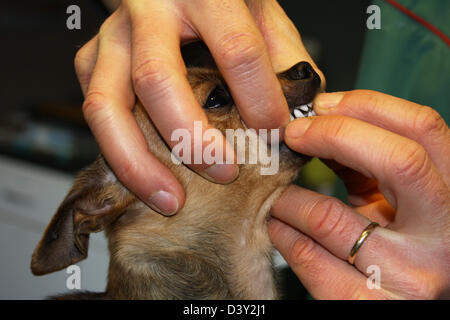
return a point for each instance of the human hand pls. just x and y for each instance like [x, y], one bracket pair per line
[138, 51]
[393, 156]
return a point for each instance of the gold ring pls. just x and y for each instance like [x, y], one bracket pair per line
[366, 232]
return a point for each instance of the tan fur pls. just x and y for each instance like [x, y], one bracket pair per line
[216, 247]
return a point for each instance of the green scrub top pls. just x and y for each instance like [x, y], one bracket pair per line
[405, 59]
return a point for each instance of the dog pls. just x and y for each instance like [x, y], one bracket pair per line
[217, 246]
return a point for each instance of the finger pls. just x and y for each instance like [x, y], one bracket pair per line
[402, 167]
[325, 219]
[361, 189]
[322, 274]
[107, 109]
[282, 39]
[241, 55]
[159, 78]
[416, 122]
[336, 227]
[85, 62]
[326, 224]
[379, 211]
[363, 194]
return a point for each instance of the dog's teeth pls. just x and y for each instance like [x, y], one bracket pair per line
[298, 113]
[292, 117]
[304, 108]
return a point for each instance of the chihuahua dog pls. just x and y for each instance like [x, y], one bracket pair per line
[217, 246]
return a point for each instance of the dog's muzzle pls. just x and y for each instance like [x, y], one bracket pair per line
[300, 85]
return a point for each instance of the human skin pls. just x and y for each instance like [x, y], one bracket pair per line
[393, 156]
[137, 53]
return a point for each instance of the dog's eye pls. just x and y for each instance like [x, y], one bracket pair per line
[219, 97]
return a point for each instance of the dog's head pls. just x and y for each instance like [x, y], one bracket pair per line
[99, 201]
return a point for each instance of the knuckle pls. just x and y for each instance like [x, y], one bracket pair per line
[241, 50]
[304, 254]
[153, 74]
[410, 161]
[80, 58]
[326, 218]
[428, 121]
[95, 103]
[82, 61]
[302, 251]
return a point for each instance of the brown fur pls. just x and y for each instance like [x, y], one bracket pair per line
[216, 247]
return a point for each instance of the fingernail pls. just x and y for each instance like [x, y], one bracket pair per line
[222, 173]
[297, 128]
[164, 203]
[328, 100]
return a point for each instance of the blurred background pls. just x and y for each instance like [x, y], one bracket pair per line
[44, 140]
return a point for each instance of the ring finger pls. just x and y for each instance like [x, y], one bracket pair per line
[335, 226]
[323, 275]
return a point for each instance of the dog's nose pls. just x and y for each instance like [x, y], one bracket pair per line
[303, 71]
[300, 85]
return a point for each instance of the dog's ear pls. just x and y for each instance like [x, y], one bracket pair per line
[95, 200]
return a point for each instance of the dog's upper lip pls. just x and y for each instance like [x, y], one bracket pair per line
[301, 111]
